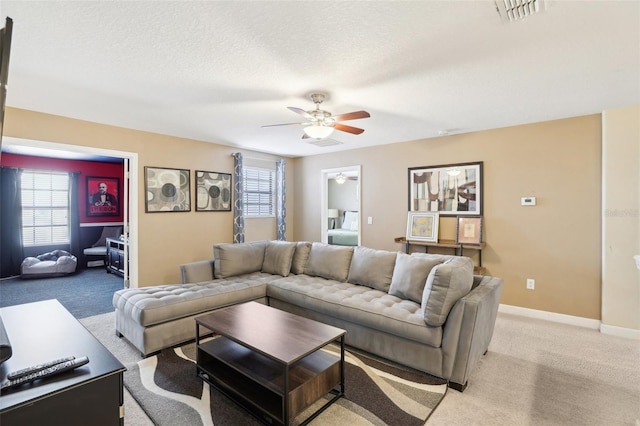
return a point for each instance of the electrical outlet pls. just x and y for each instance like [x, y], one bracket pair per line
[531, 284]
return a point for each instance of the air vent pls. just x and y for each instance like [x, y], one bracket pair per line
[325, 142]
[515, 10]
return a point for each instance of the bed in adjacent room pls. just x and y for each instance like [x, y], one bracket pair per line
[347, 234]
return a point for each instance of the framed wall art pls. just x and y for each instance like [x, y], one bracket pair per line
[423, 226]
[213, 191]
[102, 196]
[450, 189]
[469, 230]
[167, 190]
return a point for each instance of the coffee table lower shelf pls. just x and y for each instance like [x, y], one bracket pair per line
[259, 384]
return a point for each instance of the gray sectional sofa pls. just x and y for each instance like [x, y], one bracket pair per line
[425, 311]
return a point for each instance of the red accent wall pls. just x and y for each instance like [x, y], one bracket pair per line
[87, 169]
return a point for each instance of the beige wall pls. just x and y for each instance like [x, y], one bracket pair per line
[621, 217]
[557, 242]
[166, 240]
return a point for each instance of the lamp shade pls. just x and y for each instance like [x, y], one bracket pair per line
[318, 132]
[333, 213]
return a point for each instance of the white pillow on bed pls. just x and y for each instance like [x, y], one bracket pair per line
[350, 221]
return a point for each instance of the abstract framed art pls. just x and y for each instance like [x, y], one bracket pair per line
[450, 189]
[213, 191]
[423, 226]
[167, 190]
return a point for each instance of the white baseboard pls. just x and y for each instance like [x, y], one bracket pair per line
[571, 320]
[614, 330]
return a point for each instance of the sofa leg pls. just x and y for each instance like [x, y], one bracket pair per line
[458, 386]
[118, 334]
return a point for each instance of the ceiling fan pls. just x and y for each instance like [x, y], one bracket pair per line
[321, 123]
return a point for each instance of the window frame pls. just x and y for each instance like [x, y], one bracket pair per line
[33, 193]
[248, 170]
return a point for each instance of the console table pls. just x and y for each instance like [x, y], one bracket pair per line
[115, 256]
[89, 395]
[449, 244]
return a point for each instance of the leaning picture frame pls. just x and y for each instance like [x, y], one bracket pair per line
[422, 226]
[449, 189]
[469, 230]
[213, 191]
[167, 190]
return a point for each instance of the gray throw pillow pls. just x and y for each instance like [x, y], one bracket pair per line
[238, 259]
[277, 257]
[410, 276]
[330, 262]
[300, 257]
[372, 268]
[446, 284]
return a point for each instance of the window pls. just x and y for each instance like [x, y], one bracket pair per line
[258, 192]
[45, 207]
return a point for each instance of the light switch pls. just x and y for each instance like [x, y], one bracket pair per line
[370, 220]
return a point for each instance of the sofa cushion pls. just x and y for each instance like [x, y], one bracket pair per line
[238, 259]
[330, 262]
[300, 257]
[277, 257]
[446, 284]
[372, 268]
[410, 275]
[158, 304]
[357, 304]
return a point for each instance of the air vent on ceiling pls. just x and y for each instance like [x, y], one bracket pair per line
[514, 10]
[324, 142]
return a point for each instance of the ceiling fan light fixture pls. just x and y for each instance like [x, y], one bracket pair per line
[318, 132]
[340, 178]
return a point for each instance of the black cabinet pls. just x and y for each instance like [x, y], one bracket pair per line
[115, 256]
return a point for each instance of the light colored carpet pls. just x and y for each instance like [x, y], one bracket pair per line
[535, 373]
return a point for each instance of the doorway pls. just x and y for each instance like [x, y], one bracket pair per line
[130, 217]
[341, 203]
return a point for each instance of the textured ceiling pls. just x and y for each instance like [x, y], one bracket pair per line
[218, 71]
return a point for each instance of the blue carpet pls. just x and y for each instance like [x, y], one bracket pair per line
[86, 293]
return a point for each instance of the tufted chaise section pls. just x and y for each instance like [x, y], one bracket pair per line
[142, 313]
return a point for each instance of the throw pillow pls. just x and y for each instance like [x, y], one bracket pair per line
[277, 257]
[372, 268]
[238, 259]
[410, 276]
[446, 284]
[330, 262]
[300, 257]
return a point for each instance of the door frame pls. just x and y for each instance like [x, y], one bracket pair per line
[132, 158]
[325, 175]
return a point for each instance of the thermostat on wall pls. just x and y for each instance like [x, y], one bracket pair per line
[528, 201]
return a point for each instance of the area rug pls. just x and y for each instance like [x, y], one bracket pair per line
[376, 393]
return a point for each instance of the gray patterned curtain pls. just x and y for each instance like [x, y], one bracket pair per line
[11, 254]
[74, 214]
[281, 198]
[238, 217]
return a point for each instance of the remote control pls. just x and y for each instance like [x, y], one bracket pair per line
[26, 371]
[47, 372]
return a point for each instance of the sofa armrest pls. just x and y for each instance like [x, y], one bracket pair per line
[469, 329]
[197, 272]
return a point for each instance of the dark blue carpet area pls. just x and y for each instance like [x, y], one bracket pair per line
[86, 293]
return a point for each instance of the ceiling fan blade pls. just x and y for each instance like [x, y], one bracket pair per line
[301, 112]
[352, 116]
[283, 124]
[348, 129]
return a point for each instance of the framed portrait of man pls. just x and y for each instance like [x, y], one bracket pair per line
[102, 196]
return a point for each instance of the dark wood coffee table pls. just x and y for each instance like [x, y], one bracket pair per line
[269, 361]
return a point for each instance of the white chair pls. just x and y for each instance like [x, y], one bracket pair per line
[99, 248]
